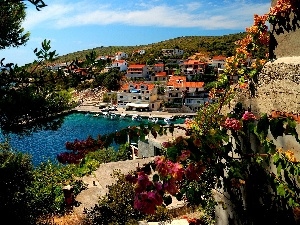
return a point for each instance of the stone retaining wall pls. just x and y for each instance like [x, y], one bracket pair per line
[278, 88]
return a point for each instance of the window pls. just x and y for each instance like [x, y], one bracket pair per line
[139, 97]
[133, 97]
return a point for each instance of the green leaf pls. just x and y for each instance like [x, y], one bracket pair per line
[281, 190]
[276, 127]
[173, 152]
[263, 126]
[155, 178]
[279, 168]
[276, 157]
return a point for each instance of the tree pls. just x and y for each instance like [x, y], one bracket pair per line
[12, 14]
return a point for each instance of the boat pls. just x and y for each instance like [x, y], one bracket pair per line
[136, 117]
[153, 119]
[123, 116]
[96, 115]
[105, 114]
[112, 116]
[168, 120]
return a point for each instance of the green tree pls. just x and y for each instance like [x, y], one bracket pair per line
[12, 14]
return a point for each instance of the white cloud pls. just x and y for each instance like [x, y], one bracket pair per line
[229, 15]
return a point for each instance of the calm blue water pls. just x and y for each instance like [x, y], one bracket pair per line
[46, 144]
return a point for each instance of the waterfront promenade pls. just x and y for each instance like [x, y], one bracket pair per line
[158, 114]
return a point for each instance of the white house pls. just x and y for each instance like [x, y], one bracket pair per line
[138, 96]
[181, 92]
[120, 55]
[137, 71]
[218, 61]
[120, 64]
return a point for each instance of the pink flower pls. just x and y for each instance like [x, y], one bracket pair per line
[166, 144]
[142, 182]
[147, 202]
[248, 116]
[184, 155]
[193, 171]
[232, 123]
[177, 171]
[170, 186]
[131, 178]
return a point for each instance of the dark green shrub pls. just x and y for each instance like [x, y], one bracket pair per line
[16, 174]
[116, 207]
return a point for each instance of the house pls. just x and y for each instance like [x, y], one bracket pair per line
[179, 91]
[218, 61]
[192, 67]
[140, 52]
[158, 67]
[138, 96]
[159, 76]
[172, 52]
[120, 55]
[120, 64]
[137, 71]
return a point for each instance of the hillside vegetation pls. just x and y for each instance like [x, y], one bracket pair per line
[213, 45]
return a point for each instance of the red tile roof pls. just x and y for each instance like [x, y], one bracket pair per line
[219, 58]
[161, 74]
[159, 65]
[137, 85]
[137, 66]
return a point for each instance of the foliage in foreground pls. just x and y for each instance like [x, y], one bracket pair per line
[117, 209]
[29, 193]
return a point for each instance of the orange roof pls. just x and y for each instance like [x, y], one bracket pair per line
[119, 61]
[219, 58]
[137, 85]
[159, 65]
[137, 66]
[175, 78]
[194, 84]
[161, 74]
[192, 61]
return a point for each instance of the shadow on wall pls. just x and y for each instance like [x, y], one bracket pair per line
[284, 34]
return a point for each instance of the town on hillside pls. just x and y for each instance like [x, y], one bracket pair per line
[171, 83]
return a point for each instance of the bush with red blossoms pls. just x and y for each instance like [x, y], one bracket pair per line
[232, 124]
[248, 116]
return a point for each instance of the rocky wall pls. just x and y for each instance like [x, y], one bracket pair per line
[278, 88]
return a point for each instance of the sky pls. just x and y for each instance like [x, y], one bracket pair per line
[85, 24]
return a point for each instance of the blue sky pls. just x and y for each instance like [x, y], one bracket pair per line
[84, 24]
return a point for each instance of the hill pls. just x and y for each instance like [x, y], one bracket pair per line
[214, 45]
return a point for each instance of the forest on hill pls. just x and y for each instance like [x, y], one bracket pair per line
[213, 45]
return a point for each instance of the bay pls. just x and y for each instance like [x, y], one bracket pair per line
[45, 144]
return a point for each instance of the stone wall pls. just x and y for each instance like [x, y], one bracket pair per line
[278, 88]
[288, 42]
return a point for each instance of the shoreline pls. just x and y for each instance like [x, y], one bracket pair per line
[119, 111]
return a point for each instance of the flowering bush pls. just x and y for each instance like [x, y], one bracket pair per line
[231, 153]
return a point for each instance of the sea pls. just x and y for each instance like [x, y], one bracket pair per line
[44, 144]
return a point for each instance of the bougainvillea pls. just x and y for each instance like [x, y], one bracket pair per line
[231, 152]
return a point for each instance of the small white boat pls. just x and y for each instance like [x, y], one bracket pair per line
[168, 120]
[136, 117]
[153, 119]
[112, 116]
[105, 114]
[123, 116]
[96, 115]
